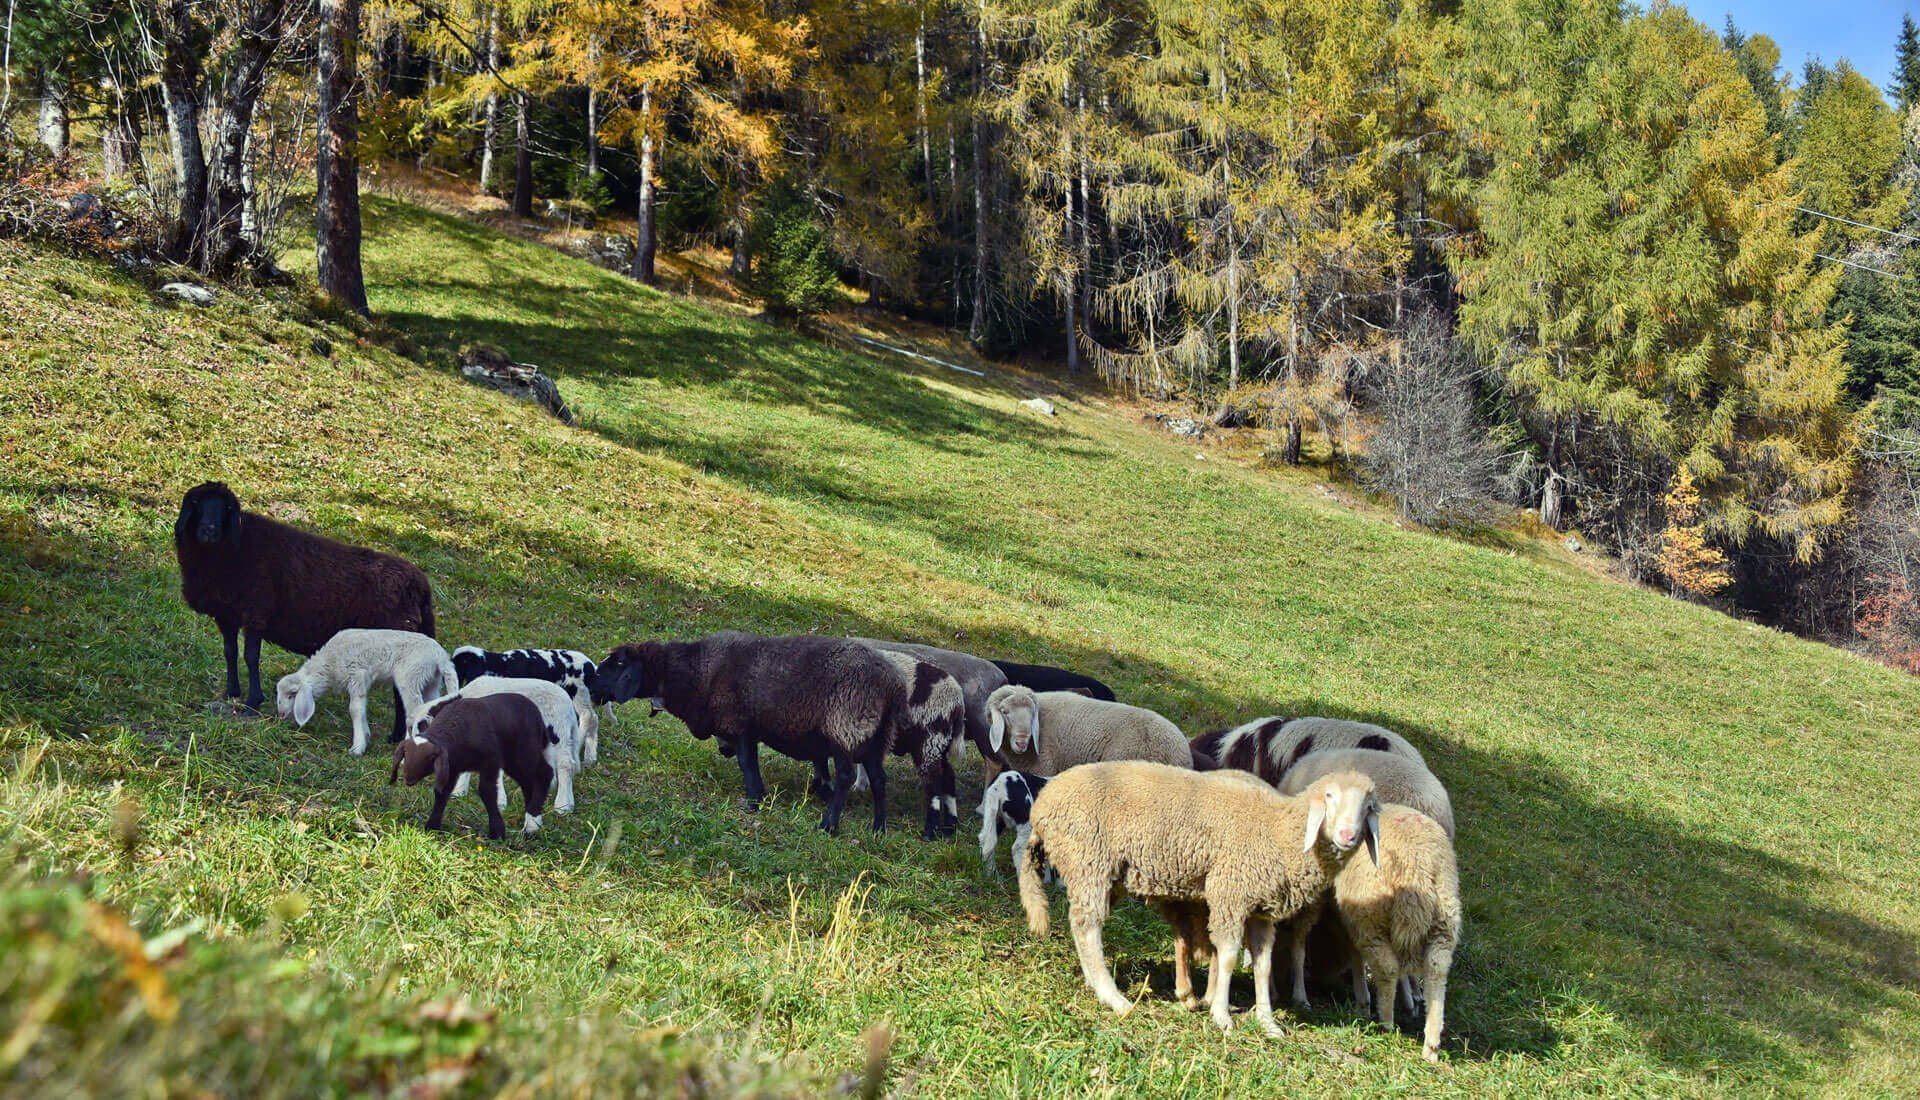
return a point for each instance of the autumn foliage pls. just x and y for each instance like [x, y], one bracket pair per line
[1686, 560]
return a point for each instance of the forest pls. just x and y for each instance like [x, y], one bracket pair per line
[1602, 263]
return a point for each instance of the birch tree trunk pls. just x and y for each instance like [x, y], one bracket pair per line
[644, 243]
[490, 127]
[56, 121]
[120, 137]
[977, 325]
[257, 39]
[337, 200]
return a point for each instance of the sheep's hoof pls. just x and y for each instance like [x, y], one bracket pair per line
[1431, 1054]
[1223, 1021]
[1272, 1027]
[435, 826]
[1302, 1004]
[1192, 1002]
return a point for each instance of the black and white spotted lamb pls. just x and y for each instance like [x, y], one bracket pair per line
[569, 668]
[1007, 803]
[290, 587]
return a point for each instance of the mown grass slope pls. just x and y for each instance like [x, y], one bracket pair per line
[1686, 842]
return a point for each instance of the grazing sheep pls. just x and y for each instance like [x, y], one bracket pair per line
[1050, 731]
[287, 586]
[926, 730]
[1251, 855]
[1048, 678]
[978, 678]
[808, 697]
[488, 735]
[1007, 804]
[1399, 780]
[1403, 916]
[566, 714]
[569, 668]
[416, 666]
[1267, 747]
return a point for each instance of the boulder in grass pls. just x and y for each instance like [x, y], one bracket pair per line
[191, 293]
[1040, 405]
[490, 366]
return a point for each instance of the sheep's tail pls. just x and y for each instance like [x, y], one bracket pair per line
[449, 679]
[1033, 891]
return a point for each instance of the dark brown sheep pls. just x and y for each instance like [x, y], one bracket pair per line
[811, 698]
[486, 734]
[1049, 678]
[287, 586]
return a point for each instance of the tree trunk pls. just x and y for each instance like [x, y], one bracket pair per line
[181, 40]
[522, 159]
[337, 201]
[593, 134]
[490, 129]
[741, 262]
[56, 121]
[227, 245]
[1086, 216]
[1071, 299]
[120, 137]
[920, 103]
[644, 244]
[977, 325]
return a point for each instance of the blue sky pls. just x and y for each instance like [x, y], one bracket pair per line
[1862, 31]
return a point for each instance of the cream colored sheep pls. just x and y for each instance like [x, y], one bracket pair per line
[1403, 917]
[1048, 732]
[1169, 834]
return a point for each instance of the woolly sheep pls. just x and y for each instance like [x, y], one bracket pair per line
[287, 586]
[808, 697]
[1048, 678]
[562, 712]
[1170, 834]
[1008, 804]
[1402, 917]
[569, 668]
[927, 730]
[486, 734]
[355, 660]
[977, 677]
[1050, 731]
[1267, 747]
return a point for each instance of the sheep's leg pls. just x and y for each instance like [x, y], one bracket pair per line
[1261, 935]
[1022, 833]
[437, 819]
[1439, 960]
[1358, 969]
[948, 785]
[462, 785]
[820, 787]
[876, 764]
[254, 698]
[1406, 993]
[990, 839]
[563, 782]
[399, 718]
[535, 794]
[1385, 973]
[491, 794]
[1301, 926]
[1226, 925]
[230, 648]
[842, 781]
[1087, 914]
[860, 782]
[357, 706]
[748, 751]
[930, 789]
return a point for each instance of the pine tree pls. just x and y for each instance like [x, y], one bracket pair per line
[1846, 144]
[1905, 91]
[1691, 565]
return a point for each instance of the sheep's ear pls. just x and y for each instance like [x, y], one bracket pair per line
[183, 527]
[1373, 831]
[303, 706]
[1316, 816]
[996, 729]
[399, 754]
[442, 768]
[1033, 725]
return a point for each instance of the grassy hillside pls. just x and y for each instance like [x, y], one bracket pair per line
[1685, 842]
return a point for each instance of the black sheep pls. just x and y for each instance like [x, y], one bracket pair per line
[488, 734]
[1048, 678]
[809, 697]
[287, 586]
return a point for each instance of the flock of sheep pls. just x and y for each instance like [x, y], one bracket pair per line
[1233, 836]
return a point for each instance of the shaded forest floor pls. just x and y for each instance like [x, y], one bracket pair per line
[1686, 842]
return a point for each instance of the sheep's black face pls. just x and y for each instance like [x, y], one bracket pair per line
[624, 675]
[209, 515]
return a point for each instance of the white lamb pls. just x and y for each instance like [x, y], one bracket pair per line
[357, 660]
[566, 713]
